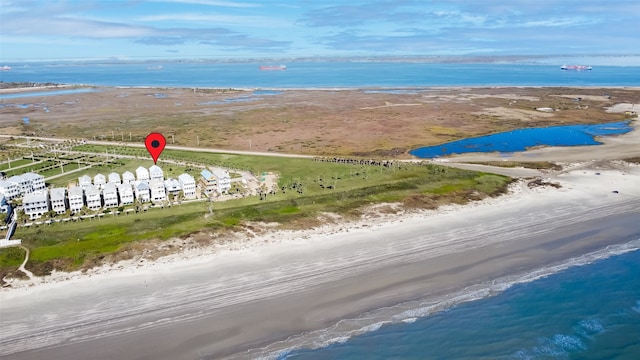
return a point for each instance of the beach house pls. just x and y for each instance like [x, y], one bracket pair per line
[172, 186]
[58, 198]
[158, 192]
[188, 184]
[215, 180]
[35, 204]
[99, 180]
[76, 199]
[128, 177]
[156, 173]
[142, 191]
[110, 195]
[36, 181]
[114, 178]
[23, 185]
[84, 181]
[125, 192]
[142, 174]
[9, 189]
[92, 196]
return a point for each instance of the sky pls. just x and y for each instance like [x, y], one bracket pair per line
[227, 29]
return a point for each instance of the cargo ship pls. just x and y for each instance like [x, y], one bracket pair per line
[273, 67]
[575, 67]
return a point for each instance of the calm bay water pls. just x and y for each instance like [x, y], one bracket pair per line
[320, 75]
[521, 139]
[585, 312]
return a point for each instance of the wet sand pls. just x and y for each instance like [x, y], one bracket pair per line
[224, 304]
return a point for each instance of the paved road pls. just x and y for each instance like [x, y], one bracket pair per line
[170, 147]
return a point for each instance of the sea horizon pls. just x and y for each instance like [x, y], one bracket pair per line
[322, 75]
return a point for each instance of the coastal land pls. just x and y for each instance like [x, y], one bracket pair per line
[268, 292]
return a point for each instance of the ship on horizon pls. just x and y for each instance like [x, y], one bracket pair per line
[273, 67]
[575, 67]
[5, 68]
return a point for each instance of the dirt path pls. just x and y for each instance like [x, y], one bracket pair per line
[22, 267]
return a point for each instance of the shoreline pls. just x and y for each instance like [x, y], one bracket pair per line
[311, 279]
[355, 88]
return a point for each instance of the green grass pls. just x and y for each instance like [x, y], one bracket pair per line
[5, 166]
[74, 244]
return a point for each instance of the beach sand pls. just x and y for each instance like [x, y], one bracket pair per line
[265, 295]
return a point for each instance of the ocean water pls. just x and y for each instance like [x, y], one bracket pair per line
[521, 139]
[320, 75]
[584, 312]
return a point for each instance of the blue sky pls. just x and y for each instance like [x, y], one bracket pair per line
[89, 29]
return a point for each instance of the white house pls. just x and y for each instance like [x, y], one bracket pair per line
[142, 191]
[172, 186]
[84, 181]
[35, 204]
[24, 185]
[142, 174]
[156, 173]
[36, 181]
[188, 184]
[217, 180]
[99, 180]
[128, 177]
[59, 200]
[9, 189]
[125, 192]
[92, 196]
[114, 178]
[76, 199]
[110, 195]
[158, 192]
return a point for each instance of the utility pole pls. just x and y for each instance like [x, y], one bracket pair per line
[129, 136]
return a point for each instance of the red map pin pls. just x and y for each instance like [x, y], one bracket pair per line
[155, 143]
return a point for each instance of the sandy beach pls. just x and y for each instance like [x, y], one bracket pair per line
[266, 293]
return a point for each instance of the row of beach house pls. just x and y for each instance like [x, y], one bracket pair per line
[147, 185]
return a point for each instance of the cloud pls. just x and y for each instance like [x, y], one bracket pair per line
[236, 4]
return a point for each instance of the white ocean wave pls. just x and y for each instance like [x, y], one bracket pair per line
[409, 312]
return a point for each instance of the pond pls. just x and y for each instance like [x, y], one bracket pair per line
[522, 139]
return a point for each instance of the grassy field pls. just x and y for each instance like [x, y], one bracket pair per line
[306, 188]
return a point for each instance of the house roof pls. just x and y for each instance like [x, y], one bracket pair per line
[109, 188]
[31, 176]
[220, 173]
[128, 175]
[6, 184]
[186, 179]
[142, 186]
[172, 183]
[35, 196]
[92, 190]
[17, 179]
[75, 191]
[58, 193]
[206, 174]
[155, 169]
[142, 170]
[84, 178]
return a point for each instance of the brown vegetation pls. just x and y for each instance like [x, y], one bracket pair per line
[319, 122]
